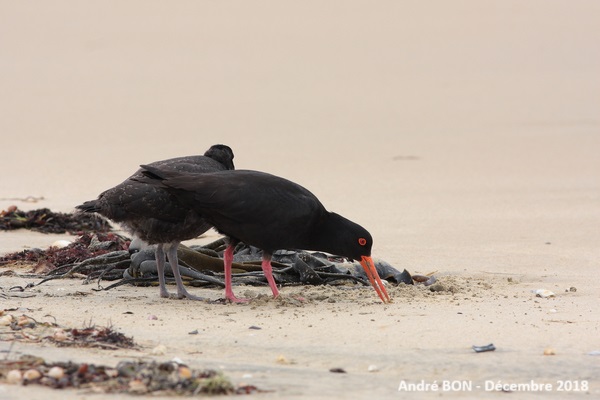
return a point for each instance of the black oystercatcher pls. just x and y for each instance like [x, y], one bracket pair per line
[270, 213]
[155, 216]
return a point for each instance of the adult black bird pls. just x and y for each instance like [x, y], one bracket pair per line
[155, 215]
[270, 213]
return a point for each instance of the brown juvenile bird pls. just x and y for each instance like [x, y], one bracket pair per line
[155, 215]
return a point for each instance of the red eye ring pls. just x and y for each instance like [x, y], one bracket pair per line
[362, 241]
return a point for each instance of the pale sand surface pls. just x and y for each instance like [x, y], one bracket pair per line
[464, 135]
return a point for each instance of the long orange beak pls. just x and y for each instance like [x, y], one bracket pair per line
[369, 266]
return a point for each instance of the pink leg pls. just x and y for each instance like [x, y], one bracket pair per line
[268, 270]
[228, 260]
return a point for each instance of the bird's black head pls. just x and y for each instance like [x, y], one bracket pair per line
[359, 241]
[338, 235]
[222, 154]
[345, 238]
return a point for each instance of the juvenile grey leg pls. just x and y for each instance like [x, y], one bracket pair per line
[173, 261]
[160, 268]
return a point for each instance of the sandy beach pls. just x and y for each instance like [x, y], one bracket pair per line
[463, 135]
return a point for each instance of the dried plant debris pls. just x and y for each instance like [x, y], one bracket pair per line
[135, 377]
[103, 336]
[201, 264]
[46, 221]
[24, 328]
[108, 256]
[85, 247]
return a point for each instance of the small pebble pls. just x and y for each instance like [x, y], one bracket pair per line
[255, 327]
[159, 350]
[60, 335]
[185, 372]
[549, 351]
[112, 373]
[6, 320]
[24, 320]
[194, 332]
[83, 369]
[282, 360]
[338, 370]
[152, 317]
[14, 376]
[373, 368]
[137, 386]
[32, 375]
[437, 287]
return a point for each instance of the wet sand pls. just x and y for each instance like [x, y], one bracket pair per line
[464, 136]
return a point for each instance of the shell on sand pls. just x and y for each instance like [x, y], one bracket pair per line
[544, 293]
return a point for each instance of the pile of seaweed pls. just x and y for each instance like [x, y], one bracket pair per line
[24, 328]
[107, 257]
[99, 255]
[46, 221]
[135, 377]
[85, 247]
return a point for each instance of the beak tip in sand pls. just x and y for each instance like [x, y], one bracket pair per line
[371, 271]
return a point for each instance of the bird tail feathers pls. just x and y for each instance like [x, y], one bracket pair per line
[91, 206]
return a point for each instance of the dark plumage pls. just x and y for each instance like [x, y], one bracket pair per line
[268, 212]
[155, 215]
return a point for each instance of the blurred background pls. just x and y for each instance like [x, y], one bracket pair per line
[439, 126]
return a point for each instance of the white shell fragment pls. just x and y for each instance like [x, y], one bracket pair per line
[60, 335]
[59, 244]
[543, 293]
[159, 350]
[32, 375]
[373, 368]
[6, 320]
[178, 360]
[14, 376]
[56, 373]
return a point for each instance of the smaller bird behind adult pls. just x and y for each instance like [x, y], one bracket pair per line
[268, 212]
[155, 216]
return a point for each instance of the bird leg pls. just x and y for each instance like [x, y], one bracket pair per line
[160, 268]
[173, 261]
[268, 270]
[228, 260]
